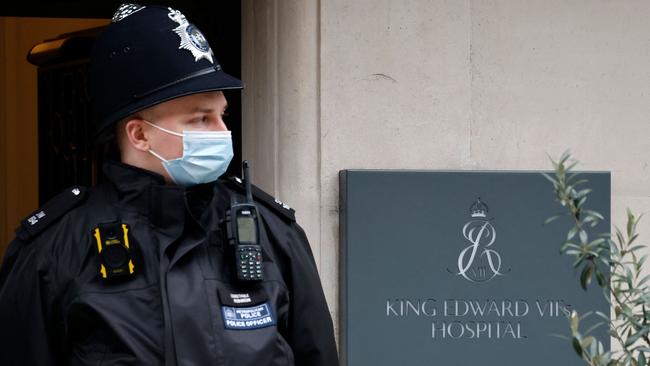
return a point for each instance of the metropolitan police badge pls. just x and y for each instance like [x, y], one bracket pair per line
[191, 37]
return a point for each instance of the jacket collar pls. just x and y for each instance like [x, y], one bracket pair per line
[146, 192]
[125, 177]
[168, 207]
[143, 191]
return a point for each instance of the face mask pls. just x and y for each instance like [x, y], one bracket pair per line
[206, 156]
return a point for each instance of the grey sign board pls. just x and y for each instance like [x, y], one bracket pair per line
[458, 268]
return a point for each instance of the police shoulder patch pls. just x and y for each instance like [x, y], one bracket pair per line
[50, 212]
[269, 201]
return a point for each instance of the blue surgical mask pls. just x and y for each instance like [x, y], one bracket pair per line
[206, 156]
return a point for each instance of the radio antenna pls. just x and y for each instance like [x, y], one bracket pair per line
[247, 180]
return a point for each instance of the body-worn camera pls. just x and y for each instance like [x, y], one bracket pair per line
[115, 250]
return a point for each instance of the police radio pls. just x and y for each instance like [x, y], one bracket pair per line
[242, 229]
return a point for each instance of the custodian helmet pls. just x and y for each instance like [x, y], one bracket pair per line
[148, 55]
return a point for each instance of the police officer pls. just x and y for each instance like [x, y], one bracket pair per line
[164, 263]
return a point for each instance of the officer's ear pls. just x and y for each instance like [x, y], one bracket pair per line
[134, 135]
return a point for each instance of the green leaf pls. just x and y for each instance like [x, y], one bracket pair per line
[577, 347]
[571, 166]
[562, 336]
[587, 341]
[569, 245]
[602, 315]
[551, 219]
[550, 179]
[594, 214]
[634, 337]
[619, 237]
[641, 360]
[575, 321]
[581, 202]
[572, 233]
[600, 277]
[591, 220]
[630, 223]
[579, 182]
[598, 241]
[628, 277]
[583, 236]
[583, 192]
[571, 177]
[594, 327]
[635, 248]
[585, 277]
[644, 279]
[564, 157]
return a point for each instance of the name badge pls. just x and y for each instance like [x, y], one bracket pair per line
[244, 318]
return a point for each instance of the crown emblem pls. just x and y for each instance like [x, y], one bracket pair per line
[478, 209]
[230, 314]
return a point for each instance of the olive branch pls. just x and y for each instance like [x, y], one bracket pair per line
[624, 287]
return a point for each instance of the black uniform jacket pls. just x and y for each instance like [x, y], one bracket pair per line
[183, 304]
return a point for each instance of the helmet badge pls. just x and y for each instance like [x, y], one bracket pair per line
[191, 37]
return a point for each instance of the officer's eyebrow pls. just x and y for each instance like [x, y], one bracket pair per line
[202, 110]
[206, 110]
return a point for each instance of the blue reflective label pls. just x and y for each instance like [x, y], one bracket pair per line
[259, 316]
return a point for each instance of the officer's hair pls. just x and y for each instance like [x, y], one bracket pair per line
[105, 145]
[120, 134]
[109, 143]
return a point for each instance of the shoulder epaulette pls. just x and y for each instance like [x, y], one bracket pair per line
[50, 212]
[269, 201]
